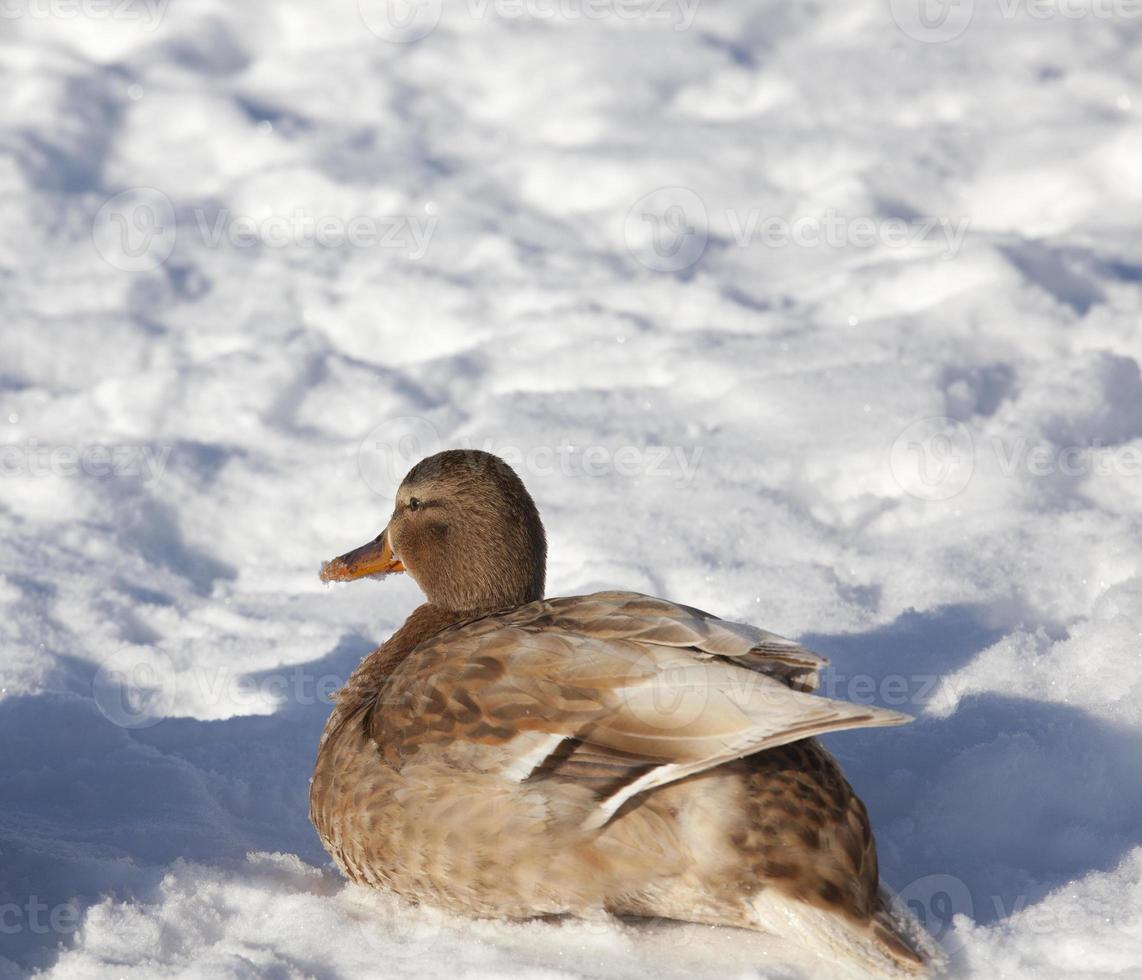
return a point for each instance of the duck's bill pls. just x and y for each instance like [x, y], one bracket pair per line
[375, 558]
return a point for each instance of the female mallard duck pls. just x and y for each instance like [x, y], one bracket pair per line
[506, 755]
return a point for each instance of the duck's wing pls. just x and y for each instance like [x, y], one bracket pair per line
[643, 618]
[617, 692]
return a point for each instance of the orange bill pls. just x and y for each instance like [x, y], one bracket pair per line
[375, 558]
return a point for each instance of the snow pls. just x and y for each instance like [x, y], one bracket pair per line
[809, 316]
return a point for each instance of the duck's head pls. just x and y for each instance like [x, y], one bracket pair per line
[467, 531]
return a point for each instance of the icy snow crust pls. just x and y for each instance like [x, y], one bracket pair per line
[922, 458]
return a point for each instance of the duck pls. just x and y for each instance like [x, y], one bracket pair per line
[506, 755]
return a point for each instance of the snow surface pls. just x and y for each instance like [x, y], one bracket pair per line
[921, 456]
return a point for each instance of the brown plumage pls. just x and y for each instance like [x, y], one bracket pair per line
[506, 755]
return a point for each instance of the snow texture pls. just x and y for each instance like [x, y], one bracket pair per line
[823, 316]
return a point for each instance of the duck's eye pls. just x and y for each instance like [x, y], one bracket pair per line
[413, 503]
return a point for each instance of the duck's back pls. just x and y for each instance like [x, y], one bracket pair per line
[608, 751]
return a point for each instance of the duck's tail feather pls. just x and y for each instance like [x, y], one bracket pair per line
[902, 936]
[890, 944]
